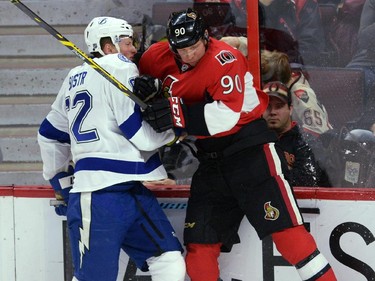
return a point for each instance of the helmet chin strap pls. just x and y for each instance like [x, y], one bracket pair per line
[117, 46]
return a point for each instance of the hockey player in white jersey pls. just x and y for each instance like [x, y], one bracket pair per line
[93, 125]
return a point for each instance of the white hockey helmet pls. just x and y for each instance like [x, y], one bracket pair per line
[101, 27]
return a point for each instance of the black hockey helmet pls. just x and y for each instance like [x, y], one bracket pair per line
[185, 28]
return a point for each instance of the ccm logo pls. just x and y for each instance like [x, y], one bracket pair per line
[178, 116]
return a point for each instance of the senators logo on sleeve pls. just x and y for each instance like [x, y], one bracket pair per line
[225, 57]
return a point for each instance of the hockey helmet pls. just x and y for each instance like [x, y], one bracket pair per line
[185, 28]
[361, 136]
[101, 27]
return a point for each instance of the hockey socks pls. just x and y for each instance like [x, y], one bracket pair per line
[202, 263]
[298, 247]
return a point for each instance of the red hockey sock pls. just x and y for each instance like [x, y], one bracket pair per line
[201, 261]
[294, 244]
[298, 247]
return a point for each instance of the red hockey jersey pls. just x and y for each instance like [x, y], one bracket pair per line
[220, 80]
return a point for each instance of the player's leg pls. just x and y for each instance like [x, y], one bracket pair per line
[202, 261]
[295, 243]
[151, 241]
[211, 223]
[97, 224]
[169, 266]
[270, 206]
[298, 247]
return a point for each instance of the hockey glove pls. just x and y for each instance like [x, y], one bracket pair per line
[147, 87]
[62, 183]
[165, 114]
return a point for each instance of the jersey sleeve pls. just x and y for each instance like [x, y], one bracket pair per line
[129, 117]
[54, 140]
[235, 100]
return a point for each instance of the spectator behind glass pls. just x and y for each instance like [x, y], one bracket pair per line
[308, 111]
[300, 19]
[303, 168]
[365, 59]
[292, 27]
[344, 33]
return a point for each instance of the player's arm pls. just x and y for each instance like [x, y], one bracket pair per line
[54, 140]
[217, 113]
[130, 121]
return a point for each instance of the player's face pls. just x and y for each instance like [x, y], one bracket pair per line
[127, 47]
[277, 115]
[191, 55]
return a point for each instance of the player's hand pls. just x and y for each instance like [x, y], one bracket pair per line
[62, 183]
[164, 114]
[147, 87]
[61, 210]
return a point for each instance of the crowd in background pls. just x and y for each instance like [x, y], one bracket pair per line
[293, 36]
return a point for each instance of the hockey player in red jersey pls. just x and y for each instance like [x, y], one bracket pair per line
[212, 97]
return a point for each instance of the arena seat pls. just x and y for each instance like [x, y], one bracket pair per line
[340, 90]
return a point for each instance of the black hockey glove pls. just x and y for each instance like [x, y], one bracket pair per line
[147, 87]
[164, 114]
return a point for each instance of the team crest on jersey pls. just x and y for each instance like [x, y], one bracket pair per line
[225, 57]
[272, 213]
[123, 58]
[290, 158]
[302, 95]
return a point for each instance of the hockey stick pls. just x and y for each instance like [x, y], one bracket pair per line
[78, 52]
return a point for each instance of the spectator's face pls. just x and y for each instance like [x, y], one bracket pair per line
[278, 115]
[191, 55]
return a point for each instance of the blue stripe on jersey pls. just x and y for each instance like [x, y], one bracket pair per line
[118, 166]
[131, 126]
[48, 131]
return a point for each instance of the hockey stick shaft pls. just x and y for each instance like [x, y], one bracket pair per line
[78, 52]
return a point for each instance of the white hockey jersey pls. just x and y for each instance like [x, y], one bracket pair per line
[307, 110]
[101, 130]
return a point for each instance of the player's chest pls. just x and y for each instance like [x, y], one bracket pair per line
[189, 85]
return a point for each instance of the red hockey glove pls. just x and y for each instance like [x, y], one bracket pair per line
[165, 114]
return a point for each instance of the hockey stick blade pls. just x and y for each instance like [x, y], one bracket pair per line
[78, 52]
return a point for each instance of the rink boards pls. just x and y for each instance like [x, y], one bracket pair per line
[34, 245]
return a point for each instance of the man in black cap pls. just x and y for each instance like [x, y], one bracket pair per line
[304, 170]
